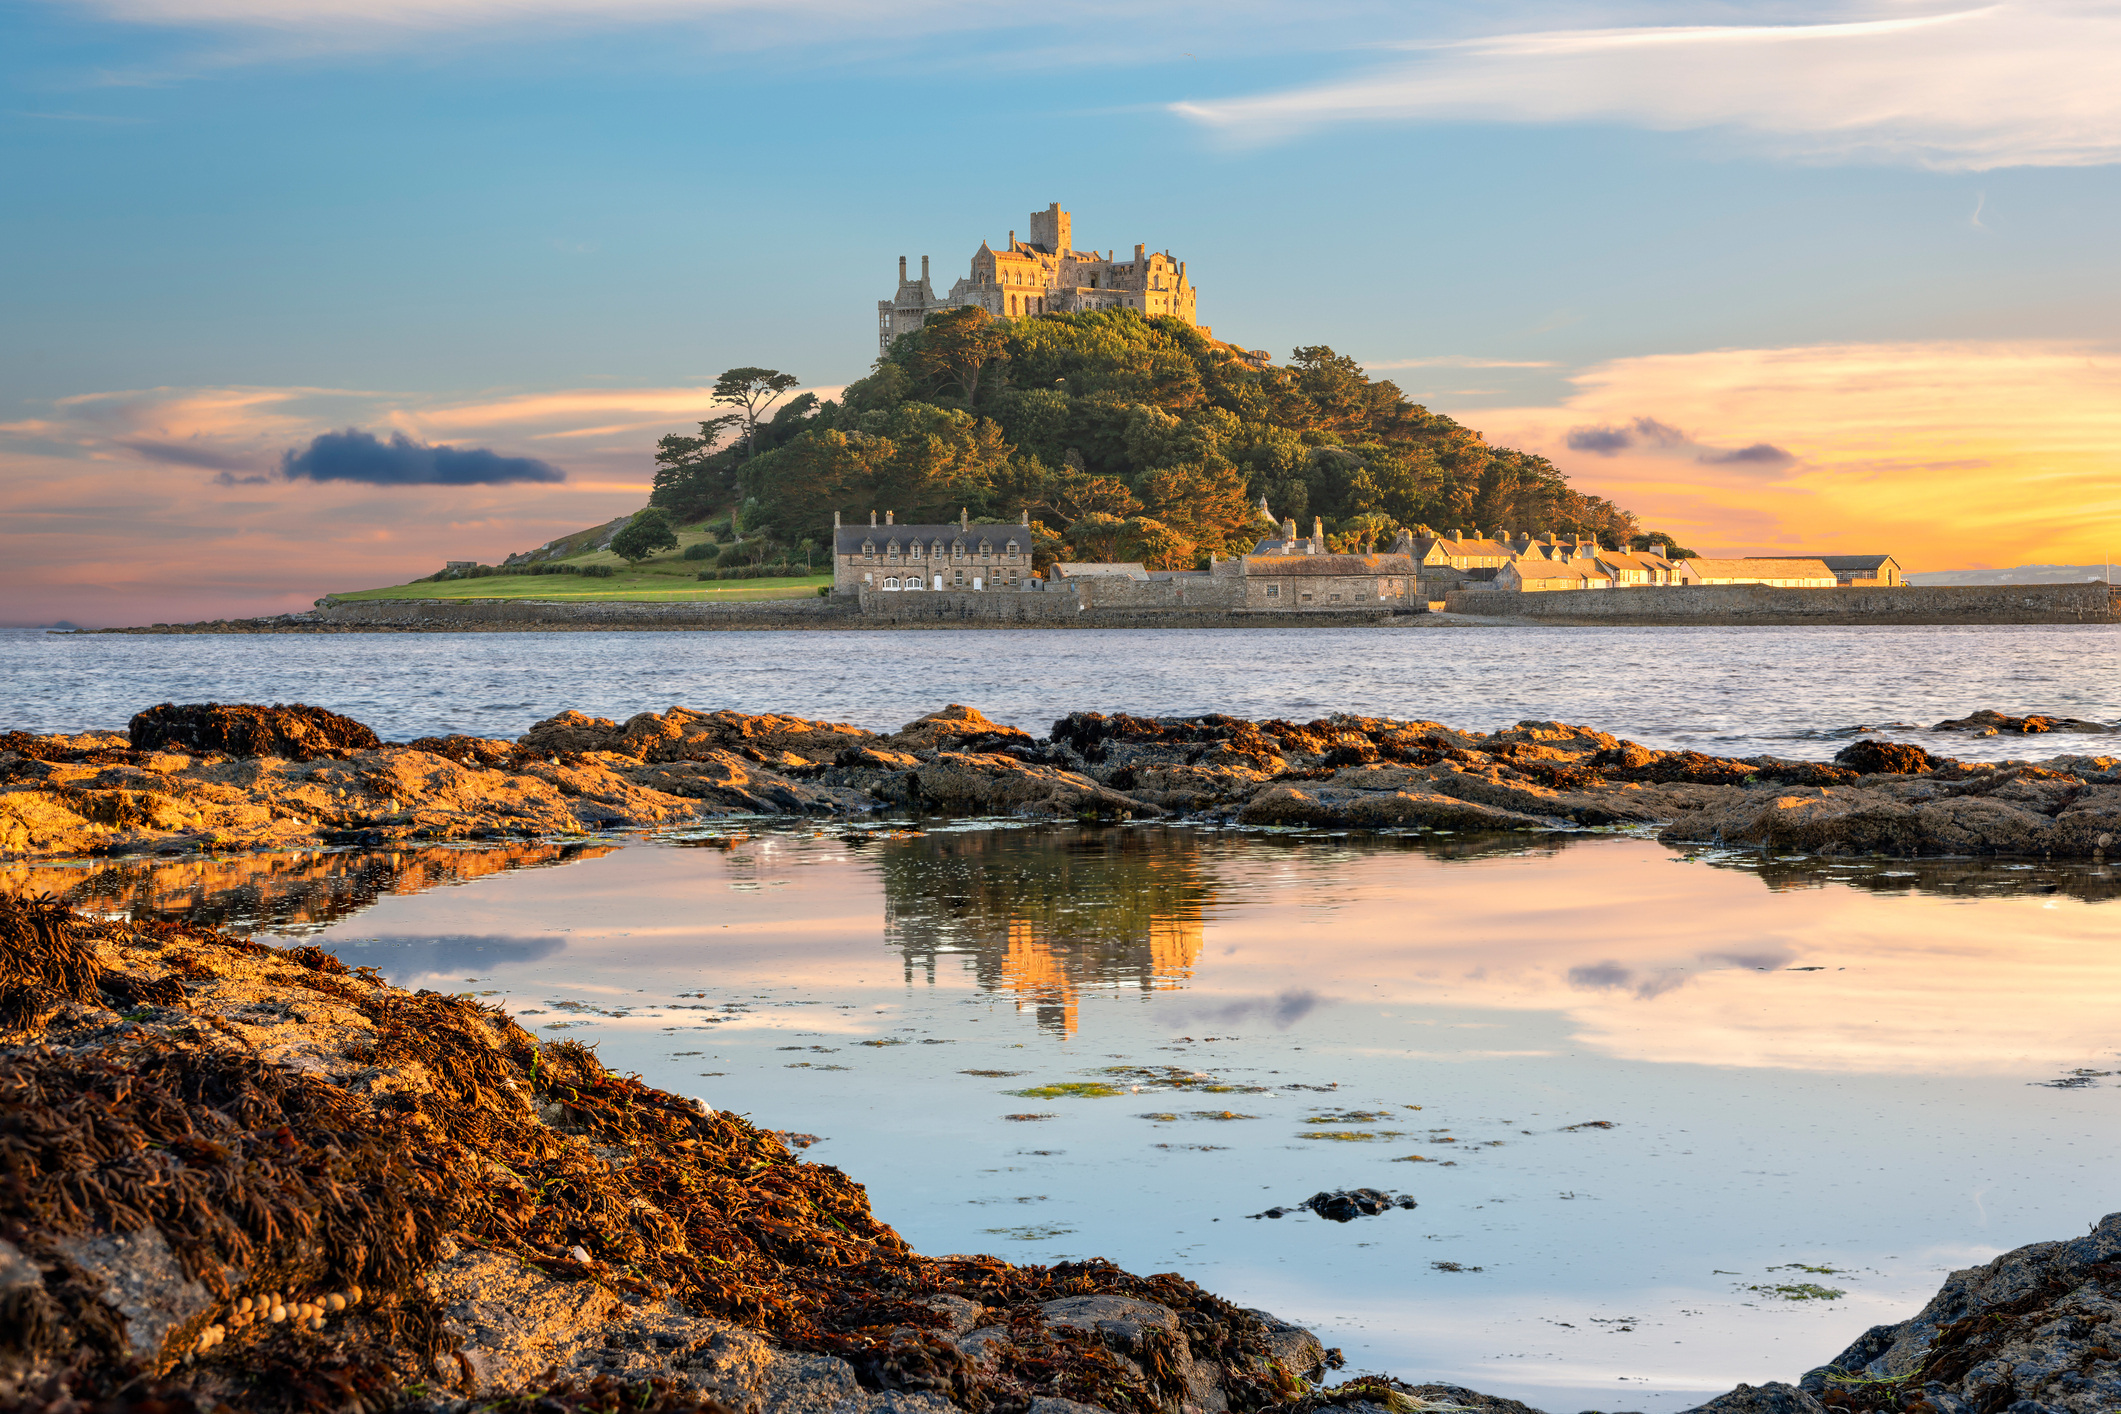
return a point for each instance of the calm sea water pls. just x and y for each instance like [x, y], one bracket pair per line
[1634, 1090]
[1740, 691]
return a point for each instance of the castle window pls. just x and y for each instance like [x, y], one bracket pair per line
[1274, 591]
[891, 584]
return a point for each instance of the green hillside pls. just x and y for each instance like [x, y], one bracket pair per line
[669, 576]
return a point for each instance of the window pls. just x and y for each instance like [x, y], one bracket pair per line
[891, 583]
[1274, 591]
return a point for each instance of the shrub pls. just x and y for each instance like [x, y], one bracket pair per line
[734, 553]
[701, 550]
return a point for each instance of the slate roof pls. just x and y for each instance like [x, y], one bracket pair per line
[1838, 562]
[1324, 566]
[1764, 567]
[849, 539]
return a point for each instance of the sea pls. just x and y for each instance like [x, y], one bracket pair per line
[1672, 1118]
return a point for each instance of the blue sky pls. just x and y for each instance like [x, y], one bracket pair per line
[1881, 236]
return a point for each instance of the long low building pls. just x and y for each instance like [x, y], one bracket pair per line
[1776, 573]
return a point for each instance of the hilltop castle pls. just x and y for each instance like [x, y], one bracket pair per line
[1044, 275]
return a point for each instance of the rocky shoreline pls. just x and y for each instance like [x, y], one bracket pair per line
[239, 1177]
[239, 777]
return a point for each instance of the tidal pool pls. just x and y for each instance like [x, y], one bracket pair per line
[1673, 1119]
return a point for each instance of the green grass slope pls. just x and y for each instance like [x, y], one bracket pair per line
[668, 577]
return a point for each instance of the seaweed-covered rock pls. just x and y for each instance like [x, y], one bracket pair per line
[980, 783]
[1886, 758]
[246, 1176]
[1988, 722]
[297, 732]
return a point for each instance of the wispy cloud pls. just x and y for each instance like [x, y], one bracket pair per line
[1455, 361]
[2023, 83]
[1944, 453]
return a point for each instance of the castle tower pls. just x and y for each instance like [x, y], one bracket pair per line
[1051, 230]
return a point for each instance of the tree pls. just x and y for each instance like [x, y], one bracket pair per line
[1656, 539]
[691, 476]
[754, 390]
[955, 346]
[650, 530]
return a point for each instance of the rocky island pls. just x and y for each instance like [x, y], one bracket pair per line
[243, 777]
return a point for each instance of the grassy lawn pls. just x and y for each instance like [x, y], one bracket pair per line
[620, 586]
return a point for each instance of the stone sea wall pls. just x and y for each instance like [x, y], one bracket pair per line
[872, 609]
[1755, 604]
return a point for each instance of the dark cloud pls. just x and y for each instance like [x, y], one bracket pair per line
[1759, 454]
[358, 456]
[1608, 441]
[1604, 441]
[188, 454]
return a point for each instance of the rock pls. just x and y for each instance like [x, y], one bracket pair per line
[142, 1280]
[983, 784]
[296, 732]
[1988, 723]
[569, 732]
[957, 728]
[1346, 1206]
[1327, 804]
[1890, 758]
[2027, 1331]
[489, 752]
[1771, 1398]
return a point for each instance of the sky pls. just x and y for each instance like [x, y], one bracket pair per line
[1778, 277]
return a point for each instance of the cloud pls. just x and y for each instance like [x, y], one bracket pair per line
[358, 456]
[1607, 441]
[1457, 361]
[1759, 454]
[2025, 83]
[1602, 441]
[186, 454]
[1943, 454]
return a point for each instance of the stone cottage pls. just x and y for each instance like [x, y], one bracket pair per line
[916, 557]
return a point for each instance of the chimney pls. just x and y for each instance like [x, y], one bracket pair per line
[964, 522]
[888, 515]
[835, 520]
[924, 269]
[1318, 534]
[1288, 528]
[872, 520]
[1139, 247]
[1026, 518]
[902, 270]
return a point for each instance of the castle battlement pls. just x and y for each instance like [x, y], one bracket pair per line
[1044, 275]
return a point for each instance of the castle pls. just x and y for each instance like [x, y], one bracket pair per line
[1044, 275]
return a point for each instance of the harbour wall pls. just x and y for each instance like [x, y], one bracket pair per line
[1748, 605]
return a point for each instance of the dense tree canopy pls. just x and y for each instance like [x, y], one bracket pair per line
[1127, 437]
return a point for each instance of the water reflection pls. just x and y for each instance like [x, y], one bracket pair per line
[405, 960]
[1942, 878]
[1042, 918]
[298, 892]
[1044, 915]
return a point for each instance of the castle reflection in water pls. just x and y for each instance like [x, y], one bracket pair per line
[1044, 920]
